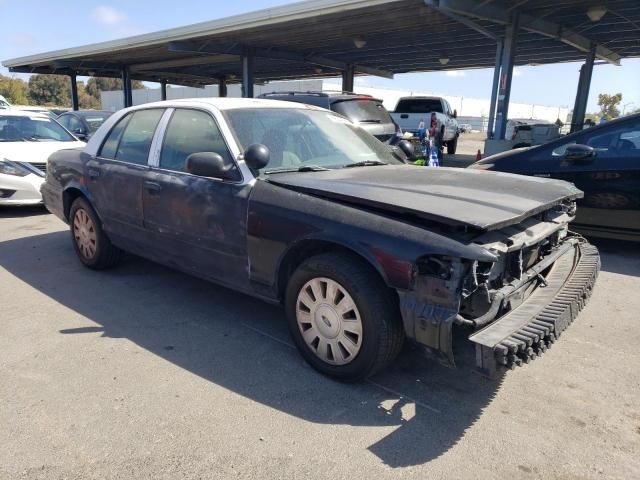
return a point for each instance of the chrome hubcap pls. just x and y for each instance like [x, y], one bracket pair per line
[84, 233]
[329, 321]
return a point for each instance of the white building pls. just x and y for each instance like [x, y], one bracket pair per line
[470, 110]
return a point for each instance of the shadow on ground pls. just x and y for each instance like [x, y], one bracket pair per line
[242, 345]
[22, 211]
[619, 256]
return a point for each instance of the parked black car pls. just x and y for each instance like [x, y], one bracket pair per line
[297, 205]
[83, 123]
[602, 161]
[366, 111]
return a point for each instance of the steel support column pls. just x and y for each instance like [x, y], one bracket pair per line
[582, 95]
[348, 76]
[163, 89]
[74, 92]
[494, 89]
[506, 76]
[126, 88]
[248, 61]
[222, 87]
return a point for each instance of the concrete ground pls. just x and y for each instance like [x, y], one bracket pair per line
[145, 373]
[468, 146]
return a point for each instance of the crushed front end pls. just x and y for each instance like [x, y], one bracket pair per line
[517, 305]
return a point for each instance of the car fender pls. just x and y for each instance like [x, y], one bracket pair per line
[281, 219]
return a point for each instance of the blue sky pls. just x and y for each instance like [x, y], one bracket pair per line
[53, 24]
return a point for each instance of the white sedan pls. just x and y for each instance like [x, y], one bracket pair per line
[26, 141]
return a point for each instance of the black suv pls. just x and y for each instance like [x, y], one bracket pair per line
[364, 110]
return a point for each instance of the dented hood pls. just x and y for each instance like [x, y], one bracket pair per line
[457, 197]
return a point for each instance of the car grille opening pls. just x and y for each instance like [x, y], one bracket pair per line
[42, 166]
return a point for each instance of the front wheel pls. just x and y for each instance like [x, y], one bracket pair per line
[93, 247]
[342, 317]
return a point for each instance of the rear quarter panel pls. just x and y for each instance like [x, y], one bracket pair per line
[65, 170]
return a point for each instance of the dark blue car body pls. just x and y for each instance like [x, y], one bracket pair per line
[609, 178]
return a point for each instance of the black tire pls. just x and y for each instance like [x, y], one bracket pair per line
[105, 255]
[452, 146]
[382, 330]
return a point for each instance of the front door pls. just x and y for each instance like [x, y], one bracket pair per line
[199, 223]
[114, 177]
[610, 180]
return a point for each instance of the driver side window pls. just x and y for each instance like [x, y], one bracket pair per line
[191, 131]
[619, 141]
[74, 124]
[64, 121]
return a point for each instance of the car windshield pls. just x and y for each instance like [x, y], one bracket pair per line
[21, 128]
[94, 121]
[301, 139]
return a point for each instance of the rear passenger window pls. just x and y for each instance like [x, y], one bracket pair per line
[191, 131]
[136, 139]
[110, 146]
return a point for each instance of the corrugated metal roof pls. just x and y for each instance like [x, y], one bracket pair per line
[316, 39]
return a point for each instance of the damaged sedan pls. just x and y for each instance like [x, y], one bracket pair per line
[298, 206]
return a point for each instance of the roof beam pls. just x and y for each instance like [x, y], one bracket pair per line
[86, 65]
[527, 22]
[463, 20]
[183, 62]
[276, 54]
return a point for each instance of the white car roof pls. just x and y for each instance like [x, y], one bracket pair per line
[14, 112]
[229, 103]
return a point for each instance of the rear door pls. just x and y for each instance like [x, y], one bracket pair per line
[197, 223]
[115, 176]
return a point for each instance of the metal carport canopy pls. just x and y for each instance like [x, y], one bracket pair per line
[318, 38]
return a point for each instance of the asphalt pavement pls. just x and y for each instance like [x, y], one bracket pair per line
[142, 372]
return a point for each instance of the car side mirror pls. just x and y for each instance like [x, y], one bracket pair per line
[579, 152]
[407, 148]
[80, 133]
[455, 114]
[257, 156]
[208, 164]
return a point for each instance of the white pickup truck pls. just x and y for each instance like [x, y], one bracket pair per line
[410, 111]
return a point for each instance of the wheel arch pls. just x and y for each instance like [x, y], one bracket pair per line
[70, 194]
[310, 247]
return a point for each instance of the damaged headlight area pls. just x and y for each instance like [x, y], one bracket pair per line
[538, 262]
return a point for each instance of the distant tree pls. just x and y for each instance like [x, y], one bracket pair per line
[14, 90]
[86, 101]
[609, 105]
[95, 85]
[50, 90]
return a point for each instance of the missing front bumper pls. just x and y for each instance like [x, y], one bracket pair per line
[527, 331]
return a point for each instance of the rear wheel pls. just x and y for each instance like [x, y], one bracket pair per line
[452, 145]
[93, 247]
[342, 317]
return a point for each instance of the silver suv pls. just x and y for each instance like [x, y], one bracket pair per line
[364, 110]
